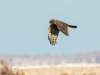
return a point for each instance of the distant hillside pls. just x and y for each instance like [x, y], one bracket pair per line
[47, 59]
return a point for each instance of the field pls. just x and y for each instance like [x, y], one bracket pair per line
[70, 69]
[60, 71]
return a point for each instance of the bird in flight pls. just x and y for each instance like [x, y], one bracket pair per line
[54, 28]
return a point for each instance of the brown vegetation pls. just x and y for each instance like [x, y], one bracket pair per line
[62, 71]
[6, 69]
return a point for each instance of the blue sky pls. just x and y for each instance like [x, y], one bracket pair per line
[24, 25]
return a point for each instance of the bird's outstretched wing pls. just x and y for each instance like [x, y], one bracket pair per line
[63, 27]
[53, 32]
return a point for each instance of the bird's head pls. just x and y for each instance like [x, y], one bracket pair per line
[52, 21]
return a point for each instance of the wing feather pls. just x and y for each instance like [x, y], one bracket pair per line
[63, 27]
[52, 34]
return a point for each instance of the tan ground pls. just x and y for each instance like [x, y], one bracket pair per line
[62, 71]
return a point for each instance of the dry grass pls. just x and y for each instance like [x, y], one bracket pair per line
[62, 71]
[6, 69]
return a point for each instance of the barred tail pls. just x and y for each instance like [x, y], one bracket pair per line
[72, 26]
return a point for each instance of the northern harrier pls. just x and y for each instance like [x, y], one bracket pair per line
[54, 28]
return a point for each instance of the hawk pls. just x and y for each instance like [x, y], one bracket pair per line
[54, 28]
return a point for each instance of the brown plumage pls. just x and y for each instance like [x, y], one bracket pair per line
[54, 28]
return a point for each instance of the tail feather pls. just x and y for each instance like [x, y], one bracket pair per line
[72, 26]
